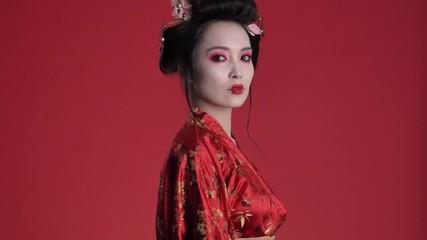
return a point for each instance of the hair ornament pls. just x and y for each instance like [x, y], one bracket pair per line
[182, 12]
[253, 29]
[181, 9]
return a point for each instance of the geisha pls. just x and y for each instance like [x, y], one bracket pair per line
[208, 188]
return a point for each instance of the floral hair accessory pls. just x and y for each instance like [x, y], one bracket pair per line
[253, 29]
[181, 9]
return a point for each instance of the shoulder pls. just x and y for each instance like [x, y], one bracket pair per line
[192, 137]
[195, 145]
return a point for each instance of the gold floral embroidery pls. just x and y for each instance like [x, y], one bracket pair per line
[200, 122]
[201, 228]
[270, 226]
[239, 171]
[245, 202]
[210, 193]
[201, 225]
[180, 187]
[217, 212]
[193, 153]
[193, 165]
[178, 147]
[220, 155]
[241, 216]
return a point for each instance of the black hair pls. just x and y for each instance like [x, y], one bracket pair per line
[180, 41]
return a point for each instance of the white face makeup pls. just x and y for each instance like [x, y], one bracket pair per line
[223, 67]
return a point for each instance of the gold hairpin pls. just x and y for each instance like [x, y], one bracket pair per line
[167, 25]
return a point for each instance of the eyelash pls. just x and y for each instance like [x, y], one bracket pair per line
[216, 58]
[249, 57]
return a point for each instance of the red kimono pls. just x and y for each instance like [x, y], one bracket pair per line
[209, 190]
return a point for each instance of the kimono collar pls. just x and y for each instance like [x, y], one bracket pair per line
[207, 121]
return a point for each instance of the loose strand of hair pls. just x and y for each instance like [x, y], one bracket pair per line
[248, 124]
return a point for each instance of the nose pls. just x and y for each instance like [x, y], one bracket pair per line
[235, 71]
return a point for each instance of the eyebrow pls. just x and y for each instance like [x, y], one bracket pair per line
[226, 48]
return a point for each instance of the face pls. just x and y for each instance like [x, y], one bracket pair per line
[223, 67]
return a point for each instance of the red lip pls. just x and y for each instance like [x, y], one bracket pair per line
[236, 89]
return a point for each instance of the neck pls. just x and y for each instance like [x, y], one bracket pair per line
[221, 114]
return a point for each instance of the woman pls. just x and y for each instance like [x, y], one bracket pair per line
[208, 189]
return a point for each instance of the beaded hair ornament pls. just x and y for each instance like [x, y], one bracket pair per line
[182, 12]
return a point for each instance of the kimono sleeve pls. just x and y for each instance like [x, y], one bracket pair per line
[192, 200]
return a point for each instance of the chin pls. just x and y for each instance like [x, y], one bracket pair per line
[227, 103]
[237, 104]
[240, 102]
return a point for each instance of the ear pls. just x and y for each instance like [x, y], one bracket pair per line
[185, 75]
[189, 78]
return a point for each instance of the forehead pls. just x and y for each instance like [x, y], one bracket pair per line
[224, 33]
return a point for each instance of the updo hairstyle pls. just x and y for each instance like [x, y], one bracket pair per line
[181, 40]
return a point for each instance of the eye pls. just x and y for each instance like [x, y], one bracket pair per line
[218, 58]
[246, 58]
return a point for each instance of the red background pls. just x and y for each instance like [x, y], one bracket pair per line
[339, 113]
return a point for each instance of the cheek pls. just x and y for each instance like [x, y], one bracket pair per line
[206, 81]
[249, 73]
[212, 75]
